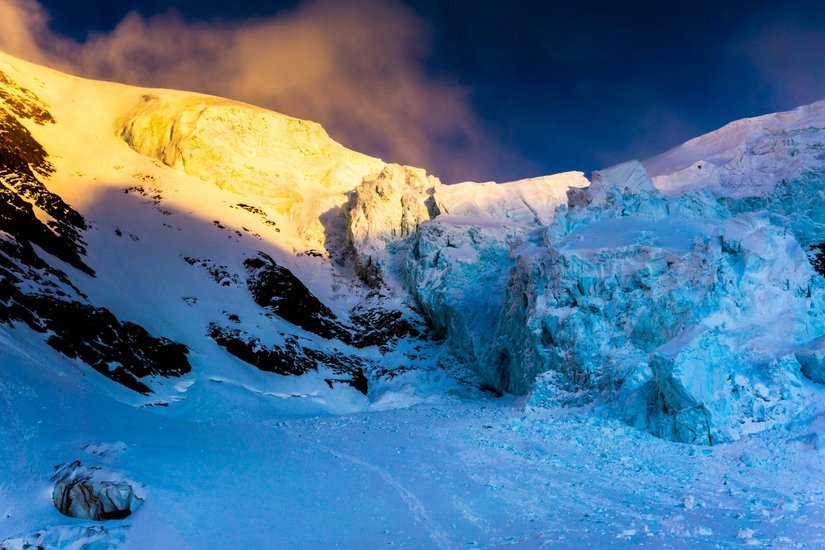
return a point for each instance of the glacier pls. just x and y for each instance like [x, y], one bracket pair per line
[674, 313]
[226, 328]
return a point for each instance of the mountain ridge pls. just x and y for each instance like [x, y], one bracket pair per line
[180, 264]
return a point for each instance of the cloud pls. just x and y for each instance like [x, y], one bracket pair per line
[23, 22]
[791, 62]
[357, 67]
[785, 46]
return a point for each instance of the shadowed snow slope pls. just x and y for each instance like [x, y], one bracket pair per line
[209, 310]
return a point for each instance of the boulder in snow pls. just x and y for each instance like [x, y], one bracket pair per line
[90, 493]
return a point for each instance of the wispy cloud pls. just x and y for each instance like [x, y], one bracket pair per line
[357, 67]
[783, 42]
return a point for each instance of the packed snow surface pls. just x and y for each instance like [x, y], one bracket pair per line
[450, 473]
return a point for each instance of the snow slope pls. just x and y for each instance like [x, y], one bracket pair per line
[257, 336]
[747, 157]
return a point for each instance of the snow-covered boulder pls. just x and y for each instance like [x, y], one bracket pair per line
[92, 493]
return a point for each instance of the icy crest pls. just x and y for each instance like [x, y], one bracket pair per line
[748, 157]
[528, 202]
[241, 147]
[287, 165]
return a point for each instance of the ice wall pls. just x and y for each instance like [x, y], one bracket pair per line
[671, 312]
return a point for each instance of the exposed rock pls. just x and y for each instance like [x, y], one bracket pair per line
[20, 190]
[22, 102]
[90, 493]
[276, 288]
[219, 273]
[291, 358]
[122, 351]
[85, 537]
[818, 258]
[381, 327]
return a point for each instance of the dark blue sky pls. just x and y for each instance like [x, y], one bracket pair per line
[580, 85]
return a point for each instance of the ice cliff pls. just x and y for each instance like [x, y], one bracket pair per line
[676, 313]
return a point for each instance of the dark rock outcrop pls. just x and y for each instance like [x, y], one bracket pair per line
[818, 258]
[291, 358]
[380, 327]
[277, 289]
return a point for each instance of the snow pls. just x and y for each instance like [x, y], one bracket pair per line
[748, 157]
[621, 315]
[528, 202]
[454, 473]
[722, 144]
